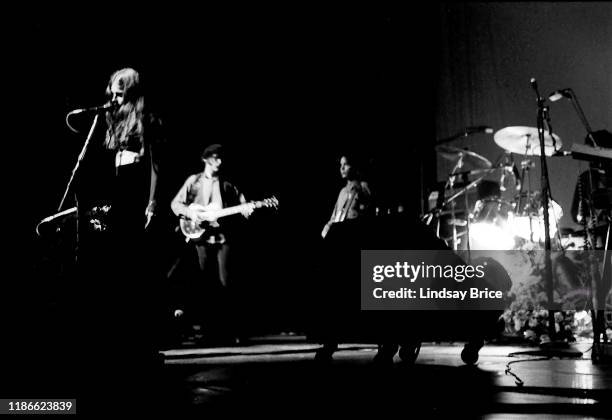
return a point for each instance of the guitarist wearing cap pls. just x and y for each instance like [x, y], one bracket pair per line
[202, 195]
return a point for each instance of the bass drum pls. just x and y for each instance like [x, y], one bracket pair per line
[490, 225]
[530, 225]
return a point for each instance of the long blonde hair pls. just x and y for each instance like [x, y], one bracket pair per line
[125, 124]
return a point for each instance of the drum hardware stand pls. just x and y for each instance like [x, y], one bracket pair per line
[428, 217]
[449, 185]
[451, 201]
[461, 158]
[523, 202]
[526, 165]
[506, 156]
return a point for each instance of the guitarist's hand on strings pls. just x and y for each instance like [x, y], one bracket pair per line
[248, 211]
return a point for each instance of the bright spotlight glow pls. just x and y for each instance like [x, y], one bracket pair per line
[524, 225]
[489, 236]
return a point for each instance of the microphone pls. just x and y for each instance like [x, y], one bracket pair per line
[534, 85]
[478, 129]
[106, 107]
[561, 93]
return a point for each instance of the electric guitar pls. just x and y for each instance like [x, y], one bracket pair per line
[208, 216]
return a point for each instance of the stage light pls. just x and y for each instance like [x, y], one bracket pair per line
[489, 236]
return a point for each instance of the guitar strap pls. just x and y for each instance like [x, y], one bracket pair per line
[215, 192]
[347, 205]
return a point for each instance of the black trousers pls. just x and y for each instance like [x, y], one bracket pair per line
[215, 257]
[217, 302]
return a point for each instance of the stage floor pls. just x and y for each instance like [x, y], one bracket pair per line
[277, 373]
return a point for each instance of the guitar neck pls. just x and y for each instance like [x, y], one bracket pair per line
[235, 209]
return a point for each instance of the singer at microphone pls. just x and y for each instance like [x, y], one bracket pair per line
[124, 163]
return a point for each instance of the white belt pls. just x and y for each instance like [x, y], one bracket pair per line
[126, 157]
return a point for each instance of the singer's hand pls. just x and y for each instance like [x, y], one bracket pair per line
[325, 230]
[150, 212]
[149, 216]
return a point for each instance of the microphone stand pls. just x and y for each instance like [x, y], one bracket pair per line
[542, 114]
[574, 99]
[72, 177]
[552, 349]
[598, 278]
[599, 323]
[79, 160]
[589, 199]
[543, 119]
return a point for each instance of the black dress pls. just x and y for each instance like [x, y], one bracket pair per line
[118, 283]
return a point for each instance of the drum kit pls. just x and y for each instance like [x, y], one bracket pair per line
[476, 213]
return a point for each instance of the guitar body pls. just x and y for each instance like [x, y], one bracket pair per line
[193, 229]
[208, 216]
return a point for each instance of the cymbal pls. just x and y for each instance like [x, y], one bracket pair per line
[470, 159]
[526, 141]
